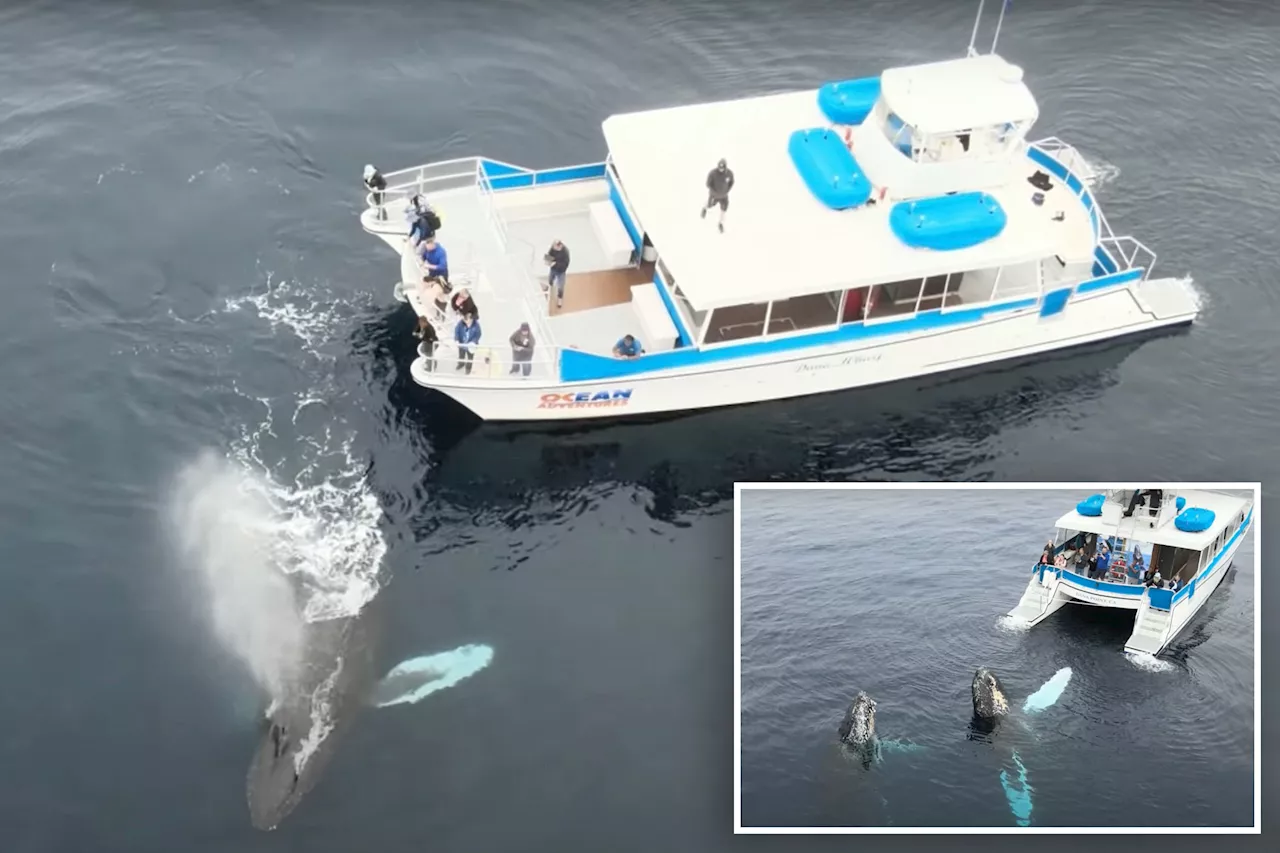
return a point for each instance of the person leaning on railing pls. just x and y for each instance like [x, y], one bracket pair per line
[628, 347]
[377, 185]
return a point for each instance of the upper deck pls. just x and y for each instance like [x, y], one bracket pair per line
[1227, 508]
[779, 240]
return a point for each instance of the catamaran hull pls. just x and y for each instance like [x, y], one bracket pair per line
[1105, 316]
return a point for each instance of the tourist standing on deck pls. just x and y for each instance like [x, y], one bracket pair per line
[558, 259]
[522, 350]
[719, 182]
[427, 334]
[467, 335]
[377, 184]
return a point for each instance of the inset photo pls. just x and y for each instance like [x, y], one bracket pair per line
[939, 657]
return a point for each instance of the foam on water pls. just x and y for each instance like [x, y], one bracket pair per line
[1012, 625]
[1147, 662]
[417, 678]
[1049, 693]
[322, 722]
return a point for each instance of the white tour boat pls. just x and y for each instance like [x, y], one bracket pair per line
[877, 229]
[1189, 538]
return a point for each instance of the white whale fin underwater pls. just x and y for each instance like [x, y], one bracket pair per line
[417, 678]
[1049, 693]
[896, 745]
[1019, 794]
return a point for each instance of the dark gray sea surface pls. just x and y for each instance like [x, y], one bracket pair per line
[183, 272]
[903, 594]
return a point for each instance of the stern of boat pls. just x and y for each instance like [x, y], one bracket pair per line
[1042, 597]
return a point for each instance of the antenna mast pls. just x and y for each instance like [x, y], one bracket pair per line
[974, 37]
[1004, 7]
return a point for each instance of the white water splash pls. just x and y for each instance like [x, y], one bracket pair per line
[1012, 625]
[1104, 172]
[322, 722]
[287, 508]
[1049, 693]
[1149, 663]
[417, 678]
[225, 531]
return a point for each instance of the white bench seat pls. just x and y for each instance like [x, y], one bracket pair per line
[612, 234]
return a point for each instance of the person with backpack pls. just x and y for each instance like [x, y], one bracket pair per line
[426, 221]
[377, 185]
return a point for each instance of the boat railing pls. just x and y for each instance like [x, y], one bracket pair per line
[1124, 251]
[492, 362]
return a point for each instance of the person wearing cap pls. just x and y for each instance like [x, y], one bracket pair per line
[522, 350]
[719, 182]
[377, 185]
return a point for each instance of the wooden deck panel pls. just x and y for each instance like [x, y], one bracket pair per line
[586, 290]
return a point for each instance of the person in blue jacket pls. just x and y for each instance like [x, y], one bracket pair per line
[435, 259]
[467, 336]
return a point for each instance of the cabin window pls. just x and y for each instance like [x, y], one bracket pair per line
[893, 298]
[854, 307]
[693, 318]
[735, 322]
[812, 311]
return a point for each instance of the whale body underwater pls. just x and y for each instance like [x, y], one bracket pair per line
[991, 706]
[300, 733]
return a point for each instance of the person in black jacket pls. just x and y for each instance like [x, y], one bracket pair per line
[427, 334]
[719, 182]
[463, 304]
[377, 184]
[558, 259]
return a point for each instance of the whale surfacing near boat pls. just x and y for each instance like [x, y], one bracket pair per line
[990, 702]
[858, 729]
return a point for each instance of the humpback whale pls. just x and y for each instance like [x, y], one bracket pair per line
[990, 703]
[859, 725]
[301, 731]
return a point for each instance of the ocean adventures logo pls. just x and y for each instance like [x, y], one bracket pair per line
[587, 399]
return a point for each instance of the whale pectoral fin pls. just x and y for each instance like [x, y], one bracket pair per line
[898, 745]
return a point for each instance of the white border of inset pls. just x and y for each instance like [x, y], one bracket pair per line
[739, 829]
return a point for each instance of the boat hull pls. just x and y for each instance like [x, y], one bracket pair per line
[1105, 316]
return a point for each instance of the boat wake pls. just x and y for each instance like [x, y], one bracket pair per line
[1149, 663]
[415, 679]
[1012, 625]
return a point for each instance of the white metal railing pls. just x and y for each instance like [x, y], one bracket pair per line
[1131, 251]
[491, 362]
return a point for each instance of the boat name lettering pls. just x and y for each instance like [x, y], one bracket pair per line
[844, 362]
[586, 399]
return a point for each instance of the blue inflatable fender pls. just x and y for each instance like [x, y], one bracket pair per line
[828, 168]
[1091, 506]
[1194, 520]
[849, 101]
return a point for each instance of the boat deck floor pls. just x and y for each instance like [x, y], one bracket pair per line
[587, 290]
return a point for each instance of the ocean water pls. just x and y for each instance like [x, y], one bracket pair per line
[194, 322]
[904, 595]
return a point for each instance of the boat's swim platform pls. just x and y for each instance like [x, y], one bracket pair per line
[948, 222]
[849, 101]
[828, 168]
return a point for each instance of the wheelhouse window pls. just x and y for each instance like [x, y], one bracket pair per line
[811, 311]
[736, 322]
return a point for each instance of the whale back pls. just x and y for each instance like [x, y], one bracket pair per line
[859, 725]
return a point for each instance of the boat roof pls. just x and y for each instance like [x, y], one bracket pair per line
[959, 94]
[779, 240]
[1225, 507]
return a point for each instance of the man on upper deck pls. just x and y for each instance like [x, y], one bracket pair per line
[719, 182]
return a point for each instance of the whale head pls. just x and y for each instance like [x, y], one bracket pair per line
[859, 725]
[989, 700]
